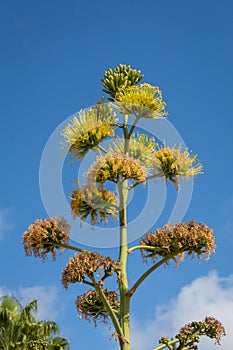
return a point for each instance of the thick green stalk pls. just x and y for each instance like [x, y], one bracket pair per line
[124, 295]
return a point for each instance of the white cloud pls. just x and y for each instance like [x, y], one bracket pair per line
[47, 297]
[206, 296]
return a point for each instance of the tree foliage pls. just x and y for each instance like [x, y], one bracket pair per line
[19, 329]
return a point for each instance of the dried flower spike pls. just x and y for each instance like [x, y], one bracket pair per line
[90, 305]
[45, 236]
[87, 264]
[190, 334]
[190, 237]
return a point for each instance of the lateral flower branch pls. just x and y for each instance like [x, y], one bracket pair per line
[125, 159]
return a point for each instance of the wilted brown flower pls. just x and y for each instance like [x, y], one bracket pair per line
[211, 327]
[90, 305]
[94, 202]
[179, 238]
[215, 329]
[115, 167]
[45, 236]
[85, 265]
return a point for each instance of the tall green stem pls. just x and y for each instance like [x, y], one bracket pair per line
[124, 295]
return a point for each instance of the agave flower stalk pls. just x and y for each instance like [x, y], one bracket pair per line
[128, 161]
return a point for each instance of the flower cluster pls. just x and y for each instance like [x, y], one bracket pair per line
[175, 163]
[121, 77]
[143, 101]
[88, 129]
[94, 202]
[190, 333]
[116, 167]
[90, 305]
[45, 236]
[141, 147]
[173, 240]
[87, 264]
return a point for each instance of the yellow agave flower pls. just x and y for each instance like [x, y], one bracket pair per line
[89, 128]
[141, 148]
[116, 167]
[95, 203]
[143, 101]
[175, 163]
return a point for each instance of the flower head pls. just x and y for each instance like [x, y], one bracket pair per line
[190, 333]
[85, 265]
[144, 101]
[90, 305]
[176, 239]
[175, 163]
[120, 77]
[141, 148]
[90, 128]
[116, 167]
[94, 202]
[45, 236]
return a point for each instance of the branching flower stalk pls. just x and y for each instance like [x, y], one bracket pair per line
[127, 161]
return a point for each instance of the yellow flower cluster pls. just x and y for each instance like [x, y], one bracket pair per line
[141, 147]
[94, 202]
[90, 128]
[144, 101]
[116, 167]
[90, 305]
[175, 163]
[45, 236]
[179, 238]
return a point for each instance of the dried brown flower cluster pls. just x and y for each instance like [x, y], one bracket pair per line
[90, 305]
[45, 236]
[93, 202]
[179, 238]
[211, 327]
[116, 167]
[85, 265]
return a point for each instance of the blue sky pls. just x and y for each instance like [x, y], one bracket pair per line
[53, 55]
